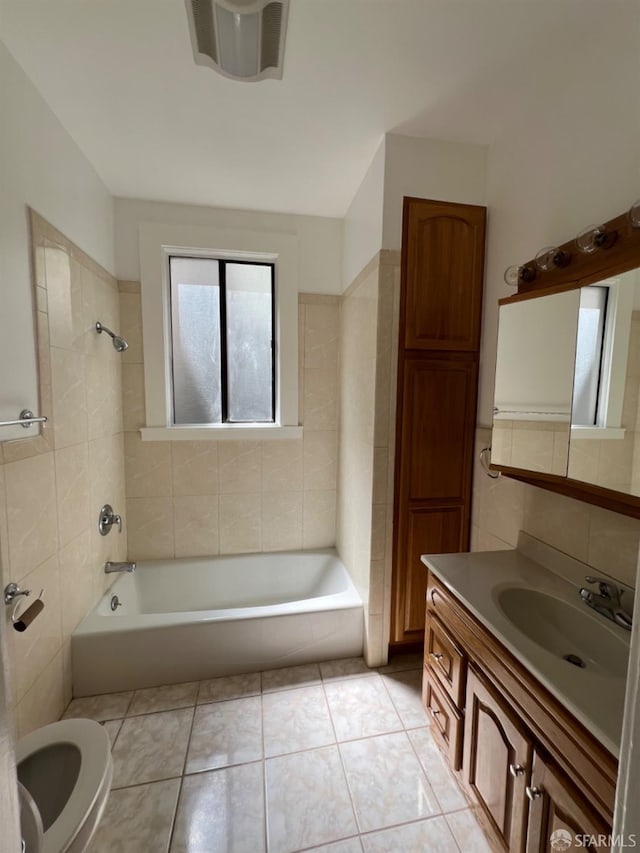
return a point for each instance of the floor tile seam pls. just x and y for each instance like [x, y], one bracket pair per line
[454, 835]
[349, 791]
[156, 711]
[372, 735]
[226, 699]
[332, 679]
[404, 823]
[174, 818]
[439, 813]
[424, 772]
[323, 845]
[115, 740]
[265, 794]
[328, 704]
[145, 782]
[186, 753]
[395, 707]
[287, 688]
[381, 669]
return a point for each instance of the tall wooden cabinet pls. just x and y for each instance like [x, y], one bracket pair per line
[439, 340]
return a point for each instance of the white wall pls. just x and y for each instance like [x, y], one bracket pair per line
[571, 158]
[428, 168]
[319, 238]
[362, 224]
[42, 167]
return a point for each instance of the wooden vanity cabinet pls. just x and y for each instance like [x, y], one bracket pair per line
[526, 764]
[497, 751]
[557, 804]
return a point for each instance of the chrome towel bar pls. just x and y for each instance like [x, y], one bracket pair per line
[25, 419]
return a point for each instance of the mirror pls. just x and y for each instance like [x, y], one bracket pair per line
[604, 420]
[534, 383]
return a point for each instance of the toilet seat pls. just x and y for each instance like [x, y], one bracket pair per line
[73, 827]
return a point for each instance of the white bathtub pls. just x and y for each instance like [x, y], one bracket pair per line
[196, 618]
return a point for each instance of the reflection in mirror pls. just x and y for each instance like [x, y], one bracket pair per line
[604, 421]
[534, 383]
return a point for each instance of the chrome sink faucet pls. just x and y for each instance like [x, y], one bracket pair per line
[606, 601]
[119, 567]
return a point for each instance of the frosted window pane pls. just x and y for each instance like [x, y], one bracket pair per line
[589, 343]
[195, 315]
[249, 333]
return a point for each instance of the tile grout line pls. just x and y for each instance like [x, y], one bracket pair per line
[265, 825]
[182, 775]
[340, 759]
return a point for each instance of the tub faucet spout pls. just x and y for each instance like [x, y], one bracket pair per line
[119, 567]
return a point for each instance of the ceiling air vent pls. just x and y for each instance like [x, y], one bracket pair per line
[241, 39]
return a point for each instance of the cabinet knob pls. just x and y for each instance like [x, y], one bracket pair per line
[434, 712]
[533, 793]
[516, 770]
[436, 655]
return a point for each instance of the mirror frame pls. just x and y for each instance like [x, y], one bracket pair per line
[582, 270]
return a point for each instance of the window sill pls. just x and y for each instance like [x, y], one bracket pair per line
[599, 433]
[237, 432]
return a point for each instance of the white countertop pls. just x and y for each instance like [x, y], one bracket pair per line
[593, 695]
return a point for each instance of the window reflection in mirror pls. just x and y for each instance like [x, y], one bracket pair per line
[534, 383]
[603, 447]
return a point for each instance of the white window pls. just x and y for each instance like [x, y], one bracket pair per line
[604, 323]
[222, 341]
[220, 333]
[588, 377]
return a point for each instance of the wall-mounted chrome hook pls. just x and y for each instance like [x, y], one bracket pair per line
[485, 462]
[107, 519]
[13, 591]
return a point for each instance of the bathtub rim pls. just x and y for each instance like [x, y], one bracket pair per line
[97, 623]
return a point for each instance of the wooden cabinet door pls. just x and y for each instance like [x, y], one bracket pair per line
[559, 811]
[443, 246]
[496, 762]
[434, 483]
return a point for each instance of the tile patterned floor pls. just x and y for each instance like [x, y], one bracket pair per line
[329, 757]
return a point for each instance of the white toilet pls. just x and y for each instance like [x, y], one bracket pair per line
[67, 769]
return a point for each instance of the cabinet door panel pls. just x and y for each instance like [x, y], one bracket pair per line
[437, 426]
[560, 808]
[444, 269]
[425, 531]
[495, 744]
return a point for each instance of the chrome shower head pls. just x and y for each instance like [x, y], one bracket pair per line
[119, 344]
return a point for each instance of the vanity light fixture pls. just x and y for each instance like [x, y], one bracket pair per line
[551, 257]
[634, 214]
[514, 274]
[595, 237]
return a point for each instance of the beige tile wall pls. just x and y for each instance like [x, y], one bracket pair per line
[369, 344]
[195, 498]
[52, 486]
[534, 445]
[501, 507]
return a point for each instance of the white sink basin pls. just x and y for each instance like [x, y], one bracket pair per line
[572, 633]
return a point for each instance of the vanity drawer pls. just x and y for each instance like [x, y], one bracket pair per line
[445, 659]
[446, 720]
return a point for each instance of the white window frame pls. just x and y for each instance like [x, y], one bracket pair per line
[157, 244]
[615, 349]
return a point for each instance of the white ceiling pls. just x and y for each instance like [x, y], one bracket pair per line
[120, 76]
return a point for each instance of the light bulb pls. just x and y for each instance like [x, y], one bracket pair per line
[551, 257]
[595, 237]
